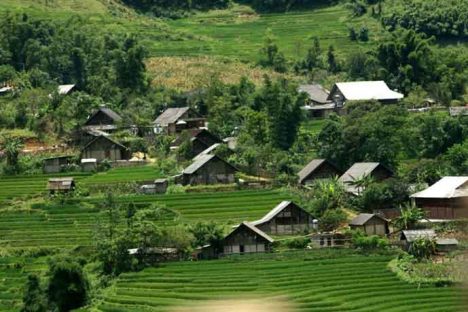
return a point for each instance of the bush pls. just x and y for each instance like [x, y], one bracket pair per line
[366, 243]
[298, 243]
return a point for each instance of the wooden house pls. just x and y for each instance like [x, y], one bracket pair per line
[200, 140]
[343, 92]
[318, 169]
[446, 199]
[102, 147]
[327, 240]
[318, 104]
[208, 169]
[60, 185]
[102, 120]
[177, 119]
[358, 171]
[286, 218]
[371, 224]
[246, 238]
[56, 164]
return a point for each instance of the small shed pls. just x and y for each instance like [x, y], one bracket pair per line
[446, 244]
[60, 185]
[246, 238]
[362, 170]
[371, 224]
[208, 169]
[89, 164]
[103, 147]
[159, 186]
[56, 164]
[286, 218]
[318, 169]
[407, 237]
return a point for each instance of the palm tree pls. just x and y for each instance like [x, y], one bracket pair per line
[362, 182]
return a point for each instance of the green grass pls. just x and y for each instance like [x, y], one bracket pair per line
[318, 280]
[70, 225]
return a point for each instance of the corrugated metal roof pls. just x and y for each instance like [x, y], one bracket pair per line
[412, 235]
[65, 89]
[171, 115]
[272, 213]
[198, 163]
[447, 187]
[367, 90]
[362, 218]
[447, 241]
[208, 150]
[315, 92]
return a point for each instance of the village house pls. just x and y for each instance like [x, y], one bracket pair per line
[286, 218]
[208, 169]
[176, 119]
[370, 224]
[56, 164]
[318, 169]
[327, 240]
[407, 237]
[318, 105]
[158, 186]
[200, 140]
[359, 171]
[343, 92]
[102, 147]
[246, 238]
[446, 199]
[60, 185]
[104, 120]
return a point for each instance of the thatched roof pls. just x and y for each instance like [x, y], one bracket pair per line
[447, 187]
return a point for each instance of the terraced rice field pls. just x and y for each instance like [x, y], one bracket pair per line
[74, 224]
[13, 274]
[309, 281]
[21, 186]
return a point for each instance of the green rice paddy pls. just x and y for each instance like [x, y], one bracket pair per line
[319, 280]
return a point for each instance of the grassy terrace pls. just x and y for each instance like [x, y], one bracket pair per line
[319, 280]
[73, 224]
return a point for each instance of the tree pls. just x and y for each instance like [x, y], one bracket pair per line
[207, 233]
[409, 216]
[422, 248]
[331, 219]
[12, 147]
[364, 33]
[273, 57]
[333, 66]
[68, 284]
[34, 299]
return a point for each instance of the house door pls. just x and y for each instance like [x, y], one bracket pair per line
[107, 154]
[241, 248]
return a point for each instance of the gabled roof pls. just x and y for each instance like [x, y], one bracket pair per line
[275, 211]
[252, 228]
[360, 170]
[107, 111]
[315, 92]
[171, 115]
[199, 162]
[311, 167]
[447, 187]
[362, 218]
[366, 90]
[106, 138]
[412, 235]
[65, 89]
[208, 151]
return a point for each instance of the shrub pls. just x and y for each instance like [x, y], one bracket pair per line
[422, 248]
[366, 243]
[298, 243]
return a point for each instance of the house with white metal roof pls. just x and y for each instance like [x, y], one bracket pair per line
[343, 92]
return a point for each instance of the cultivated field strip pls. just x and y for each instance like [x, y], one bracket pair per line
[74, 224]
[348, 283]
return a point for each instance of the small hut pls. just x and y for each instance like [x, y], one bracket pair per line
[286, 218]
[246, 238]
[371, 224]
[60, 185]
[159, 186]
[56, 164]
[318, 169]
[89, 164]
